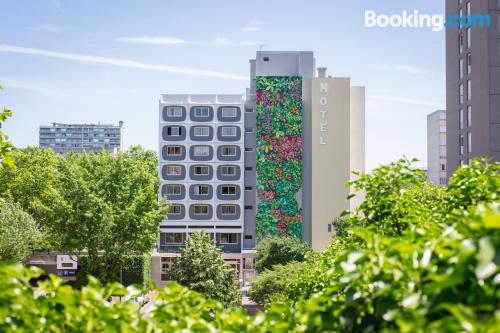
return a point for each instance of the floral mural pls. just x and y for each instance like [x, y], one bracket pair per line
[279, 155]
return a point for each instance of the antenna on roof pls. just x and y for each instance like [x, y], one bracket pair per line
[261, 46]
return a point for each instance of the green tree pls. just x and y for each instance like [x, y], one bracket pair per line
[274, 284]
[279, 250]
[201, 268]
[102, 204]
[18, 232]
[5, 145]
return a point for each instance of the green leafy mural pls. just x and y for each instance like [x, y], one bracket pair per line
[279, 155]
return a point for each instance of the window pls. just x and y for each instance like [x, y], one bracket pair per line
[165, 267]
[460, 17]
[201, 131]
[248, 188]
[469, 90]
[228, 151]
[228, 209]
[248, 130]
[248, 168]
[460, 43]
[201, 111]
[461, 119]
[202, 190]
[469, 142]
[174, 238]
[174, 150]
[174, 111]
[461, 144]
[175, 209]
[174, 190]
[461, 68]
[228, 131]
[469, 38]
[266, 58]
[469, 64]
[229, 112]
[468, 9]
[249, 207]
[201, 209]
[228, 170]
[443, 167]
[174, 170]
[201, 170]
[461, 96]
[174, 131]
[228, 190]
[228, 238]
[469, 116]
[201, 151]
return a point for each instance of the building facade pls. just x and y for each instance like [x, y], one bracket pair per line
[275, 163]
[63, 138]
[201, 148]
[436, 147]
[472, 84]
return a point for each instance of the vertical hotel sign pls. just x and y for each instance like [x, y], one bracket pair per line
[279, 155]
[323, 102]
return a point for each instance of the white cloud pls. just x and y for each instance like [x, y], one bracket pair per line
[120, 62]
[154, 40]
[254, 25]
[251, 29]
[404, 100]
[48, 27]
[16, 83]
[221, 41]
[402, 68]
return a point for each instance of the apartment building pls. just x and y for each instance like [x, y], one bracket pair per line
[63, 138]
[436, 147]
[472, 84]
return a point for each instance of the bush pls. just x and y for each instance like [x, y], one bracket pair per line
[273, 284]
[278, 250]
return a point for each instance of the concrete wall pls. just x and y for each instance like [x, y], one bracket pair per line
[357, 140]
[436, 147]
[330, 154]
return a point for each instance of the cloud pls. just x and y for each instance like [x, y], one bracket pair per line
[221, 41]
[254, 25]
[30, 86]
[120, 62]
[404, 100]
[251, 29]
[403, 69]
[48, 27]
[154, 40]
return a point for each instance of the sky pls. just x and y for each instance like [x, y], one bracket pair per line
[105, 61]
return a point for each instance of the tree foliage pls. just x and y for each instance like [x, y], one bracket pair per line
[102, 204]
[18, 232]
[5, 144]
[279, 250]
[273, 284]
[201, 268]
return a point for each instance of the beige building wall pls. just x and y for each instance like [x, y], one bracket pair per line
[331, 161]
[357, 139]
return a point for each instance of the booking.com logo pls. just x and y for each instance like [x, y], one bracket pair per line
[416, 20]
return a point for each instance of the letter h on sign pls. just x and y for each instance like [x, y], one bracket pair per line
[323, 101]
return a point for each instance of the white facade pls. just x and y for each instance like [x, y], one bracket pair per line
[436, 147]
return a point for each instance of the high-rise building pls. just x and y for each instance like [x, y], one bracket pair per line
[273, 164]
[63, 138]
[473, 82]
[436, 147]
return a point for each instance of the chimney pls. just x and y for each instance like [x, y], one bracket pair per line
[120, 123]
[321, 72]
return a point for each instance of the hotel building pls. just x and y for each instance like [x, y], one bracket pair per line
[273, 163]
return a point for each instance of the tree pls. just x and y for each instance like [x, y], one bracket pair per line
[273, 284]
[201, 268]
[102, 204]
[18, 232]
[5, 145]
[279, 250]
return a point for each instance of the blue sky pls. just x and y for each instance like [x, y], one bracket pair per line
[91, 61]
